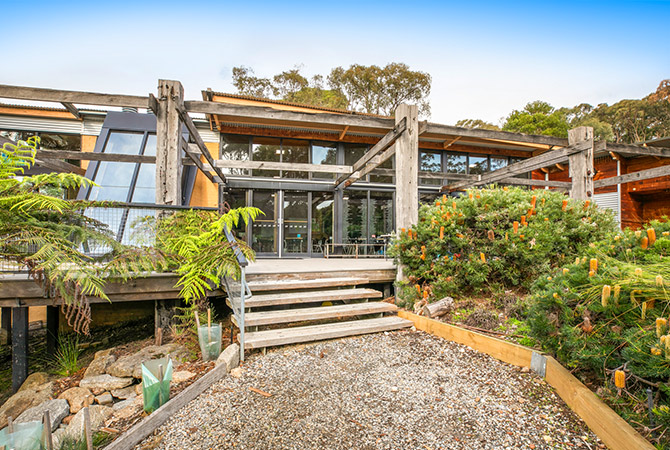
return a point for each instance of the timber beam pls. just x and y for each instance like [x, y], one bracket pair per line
[195, 136]
[63, 96]
[634, 176]
[382, 146]
[434, 128]
[72, 109]
[637, 150]
[527, 165]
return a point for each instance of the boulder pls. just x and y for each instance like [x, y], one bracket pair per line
[77, 397]
[138, 389]
[131, 365]
[181, 376]
[101, 383]
[131, 409]
[230, 357]
[99, 365]
[98, 413]
[34, 380]
[19, 402]
[58, 410]
[126, 392]
[104, 399]
[123, 404]
[57, 437]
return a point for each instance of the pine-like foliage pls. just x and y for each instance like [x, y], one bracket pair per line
[42, 231]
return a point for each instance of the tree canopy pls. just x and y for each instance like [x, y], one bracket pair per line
[626, 121]
[370, 89]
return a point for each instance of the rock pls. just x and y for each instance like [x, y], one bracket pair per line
[126, 392]
[57, 437]
[34, 380]
[131, 365]
[230, 357]
[394, 389]
[181, 376]
[525, 370]
[103, 359]
[77, 397]
[124, 404]
[104, 399]
[19, 402]
[101, 383]
[138, 389]
[67, 420]
[132, 409]
[58, 410]
[236, 372]
[98, 414]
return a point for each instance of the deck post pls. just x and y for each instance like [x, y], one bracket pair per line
[581, 164]
[19, 346]
[6, 325]
[52, 329]
[164, 312]
[407, 171]
[168, 143]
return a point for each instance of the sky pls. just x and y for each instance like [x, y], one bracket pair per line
[485, 58]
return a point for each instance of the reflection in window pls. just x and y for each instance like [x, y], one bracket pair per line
[353, 153]
[324, 153]
[478, 165]
[388, 164]
[498, 162]
[322, 220]
[235, 148]
[294, 151]
[354, 222]
[455, 163]
[513, 160]
[114, 179]
[266, 149]
[430, 162]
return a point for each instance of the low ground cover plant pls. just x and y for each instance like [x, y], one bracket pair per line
[491, 239]
[605, 316]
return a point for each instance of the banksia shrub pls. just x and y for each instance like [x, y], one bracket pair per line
[605, 297]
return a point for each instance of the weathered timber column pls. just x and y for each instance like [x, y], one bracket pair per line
[52, 329]
[407, 171]
[6, 326]
[19, 346]
[168, 171]
[581, 164]
[168, 148]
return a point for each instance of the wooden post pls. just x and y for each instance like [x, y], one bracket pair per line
[87, 429]
[407, 171]
[168, 140]
[6, 325]
[581, 164]
[48, 438]
[164, 312]
[52, 329]
[19, 346]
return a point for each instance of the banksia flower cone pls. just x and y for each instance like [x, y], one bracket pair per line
[441, 233]
[644, 243]
[418, 289]
[638, 233]
[651, 234]
[533, 200]
[638, 272]
[620, 379]
[515, 226]
[593, 264]
[659, 280]
[491, 235]
[587, 203]
[566, 271]
[661, 326]
[607, 290]
[565, 205]
[482, 256]
[617, 291]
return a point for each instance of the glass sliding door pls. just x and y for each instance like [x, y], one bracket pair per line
[295, 223]
[265, 229]
[354, 220]
[322, 221]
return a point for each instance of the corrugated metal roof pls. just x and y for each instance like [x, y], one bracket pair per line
[47, 108]
[297, 105]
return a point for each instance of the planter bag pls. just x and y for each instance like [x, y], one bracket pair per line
[26, 436]
[210, 341]
[156, 391]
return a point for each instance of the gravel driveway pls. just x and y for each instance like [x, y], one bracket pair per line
[397, 390]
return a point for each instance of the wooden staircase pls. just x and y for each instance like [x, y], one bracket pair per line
[284, 312]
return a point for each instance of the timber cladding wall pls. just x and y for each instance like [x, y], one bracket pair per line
[603, 421]
[205, 193]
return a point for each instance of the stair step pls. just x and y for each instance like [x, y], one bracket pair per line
[290, 298]
[283, 336]
[254, 319]
[285, 285]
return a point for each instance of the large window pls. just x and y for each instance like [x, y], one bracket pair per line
[234, 148]
[294, 151]
[324, 153]
[266, 149]
[498, 162]
[322, 221]
[478, 164]
[430, 162]
[455, 163]
[114, 179]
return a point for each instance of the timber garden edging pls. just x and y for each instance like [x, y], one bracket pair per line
[614, 431]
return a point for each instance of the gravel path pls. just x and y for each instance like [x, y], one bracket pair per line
[398, 390]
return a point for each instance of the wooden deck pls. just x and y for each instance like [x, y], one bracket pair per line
[18, 290]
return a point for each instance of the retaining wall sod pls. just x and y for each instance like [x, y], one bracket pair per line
[601, 419]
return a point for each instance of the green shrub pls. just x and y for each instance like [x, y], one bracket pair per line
[67, 355]
[479, 250]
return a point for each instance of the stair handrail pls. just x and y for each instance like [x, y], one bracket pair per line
[244, 291]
